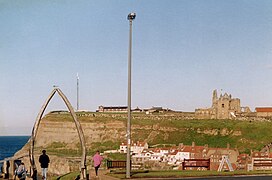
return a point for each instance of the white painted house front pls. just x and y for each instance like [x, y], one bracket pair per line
[136, 147]
[123, 148]
[142, 157]
[180, 156]
[171, 158]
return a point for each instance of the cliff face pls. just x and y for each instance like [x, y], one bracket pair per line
[66, 132]
[60, 138]
[58, 135]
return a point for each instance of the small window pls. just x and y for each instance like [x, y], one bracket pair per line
[223, 105]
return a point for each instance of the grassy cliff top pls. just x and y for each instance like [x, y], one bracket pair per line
[175, 128]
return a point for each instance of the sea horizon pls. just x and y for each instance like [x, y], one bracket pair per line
[9, 145]
[13, 135]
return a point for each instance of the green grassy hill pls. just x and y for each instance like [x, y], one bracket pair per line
[175, 128]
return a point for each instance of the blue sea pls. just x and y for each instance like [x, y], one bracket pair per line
[10, 145]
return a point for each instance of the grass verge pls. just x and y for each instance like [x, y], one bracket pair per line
[180, 174]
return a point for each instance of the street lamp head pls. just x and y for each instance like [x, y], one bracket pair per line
[131, 16]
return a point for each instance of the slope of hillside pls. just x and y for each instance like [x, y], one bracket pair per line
[106, 131]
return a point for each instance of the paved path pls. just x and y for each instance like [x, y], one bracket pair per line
[213, 178]
[101, 175]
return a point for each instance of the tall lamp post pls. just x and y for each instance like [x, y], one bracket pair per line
[131, 17]
[77, 92]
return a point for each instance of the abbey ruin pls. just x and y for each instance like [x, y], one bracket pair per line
[223, 107]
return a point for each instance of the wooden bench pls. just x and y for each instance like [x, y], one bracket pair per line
[262, 162]
[196, 163]
[116, 164]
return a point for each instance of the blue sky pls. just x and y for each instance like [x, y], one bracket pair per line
[182, 51]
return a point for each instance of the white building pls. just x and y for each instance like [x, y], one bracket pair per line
[136, 147]
[177, 157]
[171, 158]
[164, 151]
[142, 157]
[155, 157]
[123, 148]
[180, 156]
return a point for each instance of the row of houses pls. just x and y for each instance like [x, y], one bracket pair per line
[255, 161]
[175, 155]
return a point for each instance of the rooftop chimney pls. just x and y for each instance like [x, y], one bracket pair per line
[193, 144]
[181, 145]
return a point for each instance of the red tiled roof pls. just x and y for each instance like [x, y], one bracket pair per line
[193, 149]
[263, 109]
[141, 144]
[173, 153]
[147, 152]
[156, 150]
[259, 155]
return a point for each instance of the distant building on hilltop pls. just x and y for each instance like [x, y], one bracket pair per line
[112, 109]
[263, 111]
[223, 107]
[117, 109]
[151, 110]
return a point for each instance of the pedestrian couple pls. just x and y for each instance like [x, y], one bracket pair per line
[44, 161]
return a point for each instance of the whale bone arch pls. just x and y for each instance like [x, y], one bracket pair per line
[83, 173]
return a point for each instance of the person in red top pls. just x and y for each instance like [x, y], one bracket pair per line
[97, 158]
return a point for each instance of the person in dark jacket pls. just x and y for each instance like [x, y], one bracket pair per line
[44, 161]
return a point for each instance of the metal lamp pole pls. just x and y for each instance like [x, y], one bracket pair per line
[131, 17]
[77, 92]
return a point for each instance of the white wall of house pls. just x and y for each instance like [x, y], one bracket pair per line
[180, 156]
[138, 147]
[135, 147]
[123, 148]
[164, 151]
[171, 159]
[143, 154]
[155, 158]
[141, 157]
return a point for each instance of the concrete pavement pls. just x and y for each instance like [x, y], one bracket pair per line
[101, 175]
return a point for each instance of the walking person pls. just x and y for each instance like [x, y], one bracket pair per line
[97, 158]
[44, 161]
